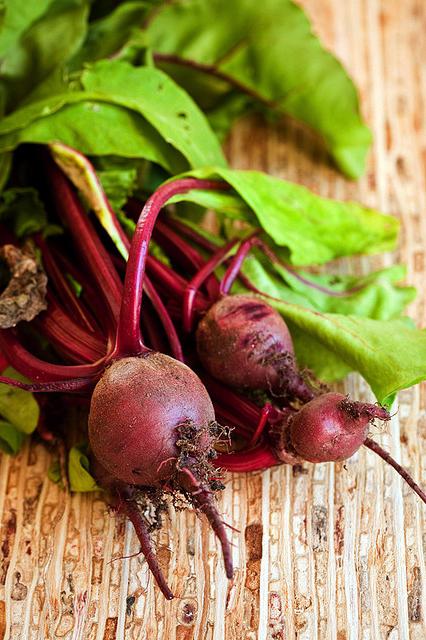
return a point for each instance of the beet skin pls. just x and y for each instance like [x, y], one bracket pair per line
[138, 409]
[332, 427]
[245, 343]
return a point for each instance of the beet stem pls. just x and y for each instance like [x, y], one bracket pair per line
[263, 421]
[65, 386]
[203, 500]
[236, 263]
[196, 282]
[166, 321]
[128, 341]
[63, 288]
[129, 508]
[87, 242]
[184, 254]
[67, 336]
[192, 234]
[39, 370]
[371, 444]
[259, 458]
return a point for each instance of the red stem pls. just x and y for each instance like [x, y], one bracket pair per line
[184, 254]
[40, 370]
[192, 234]
[166, 321]
[62, 286]
[128, 340]
[68, 337]
[263, 421]
[87, 242]
[259, 458]
[234, 268]
[93, 303]
[196, 282]
[64, 386]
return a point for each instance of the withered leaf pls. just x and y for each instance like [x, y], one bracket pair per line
[25, 295]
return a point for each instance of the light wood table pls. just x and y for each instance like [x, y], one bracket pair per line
[327, 552]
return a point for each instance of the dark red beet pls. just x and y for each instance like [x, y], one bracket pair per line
[332, 427]
[139, 409]
[245, 343]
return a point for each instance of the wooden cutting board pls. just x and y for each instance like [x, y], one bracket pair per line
[327, 552]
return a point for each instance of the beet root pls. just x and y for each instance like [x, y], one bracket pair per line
[332, 427]
[245, 343]
[152, 429]
[140, 409]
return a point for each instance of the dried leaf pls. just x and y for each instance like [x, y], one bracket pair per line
[25, 295]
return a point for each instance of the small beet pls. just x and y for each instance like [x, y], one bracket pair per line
[245, 343]
[332, 427]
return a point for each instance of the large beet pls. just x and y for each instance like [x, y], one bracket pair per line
[141, 408]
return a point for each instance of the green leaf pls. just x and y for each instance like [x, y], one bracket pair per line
[119, 178]
[267, 51]
[163, 103]
[17, 16]
[82, 174]
[11, 439]
[114, 98]
[376, 295]
[5, 167]
[22, 209]
[18, 406]
[54, 472]
[34, 46]
[314, 229]
[91, 127]
[79, 470]
[108, 34]
[390, 355]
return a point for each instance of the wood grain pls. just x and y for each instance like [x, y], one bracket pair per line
[324, 552]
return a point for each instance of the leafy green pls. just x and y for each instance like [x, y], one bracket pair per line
[22, 209]
[108, 34]
[376, 295]
[111, 95]
[163, 103]
[38, 40]
[11, 439]
[18, 406]
[5, 167]
[16, 17]
[81, 172]
[267, 51]
[79, 475]
[390, 355]
[119, 178]
[54, 472]
[91, 127]
[314, 229]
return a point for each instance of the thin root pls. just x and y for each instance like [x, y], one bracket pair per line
[130, 509]
[203, 500]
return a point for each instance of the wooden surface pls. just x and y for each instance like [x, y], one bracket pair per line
[332, 551]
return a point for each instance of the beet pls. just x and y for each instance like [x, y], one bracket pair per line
[140, 409]
[332, 427]
[245, 343]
